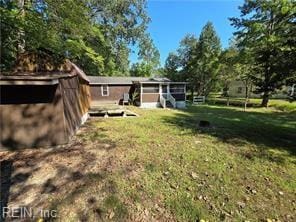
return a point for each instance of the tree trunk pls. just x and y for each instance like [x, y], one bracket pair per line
[192, 94]
[246, 98]
[265, 99]
[21, 34]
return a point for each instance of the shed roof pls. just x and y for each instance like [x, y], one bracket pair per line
[97, 80]
[42, 77]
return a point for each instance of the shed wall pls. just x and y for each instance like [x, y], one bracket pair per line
[31, 117]
[47, 115]
[75, 101]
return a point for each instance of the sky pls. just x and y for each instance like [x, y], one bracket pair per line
[171, 20]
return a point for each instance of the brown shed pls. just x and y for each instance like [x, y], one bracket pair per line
[42, 108]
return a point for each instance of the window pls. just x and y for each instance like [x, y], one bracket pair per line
[151, 89]
[177, 89]
[239, 89]
[105, 90]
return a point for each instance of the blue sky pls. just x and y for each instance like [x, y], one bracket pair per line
[173, 19]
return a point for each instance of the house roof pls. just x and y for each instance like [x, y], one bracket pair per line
[97, 80]
[114, 80]
[155, 80]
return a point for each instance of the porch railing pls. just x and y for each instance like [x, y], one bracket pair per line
[172, 100]
[162, 101]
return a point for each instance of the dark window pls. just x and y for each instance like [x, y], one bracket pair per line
[27, 94]
[164, 89]
[105, 90]
[239, 89]
[177, 89]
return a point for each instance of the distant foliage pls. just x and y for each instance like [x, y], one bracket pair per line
[172, 65]
[267, 31]
[148, 56]
[94, 34]
[141, 69]
[207, 60]
[197, 61]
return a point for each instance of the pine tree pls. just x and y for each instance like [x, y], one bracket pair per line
[267, 30]
[206, 61]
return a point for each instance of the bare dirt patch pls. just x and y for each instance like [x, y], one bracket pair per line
[43, 178]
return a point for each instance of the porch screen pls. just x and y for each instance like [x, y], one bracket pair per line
[150, 88]
[177, 89]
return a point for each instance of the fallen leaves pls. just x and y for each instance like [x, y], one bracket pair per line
[111, 215]
[241, 204]
[194, 175]
[251, 190]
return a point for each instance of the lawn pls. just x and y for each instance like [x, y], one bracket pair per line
[162, 167]
[279, 104]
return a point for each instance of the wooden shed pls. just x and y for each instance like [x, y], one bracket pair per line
[42, 108]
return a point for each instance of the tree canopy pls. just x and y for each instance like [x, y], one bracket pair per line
[95, 34]
[197, 60]
[262, 52]
[267, 32]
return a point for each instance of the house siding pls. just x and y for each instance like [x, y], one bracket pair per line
[150, 97]
[115, 92]
[146, 92]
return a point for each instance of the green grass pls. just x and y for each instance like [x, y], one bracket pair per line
[162, 166]
[278, 104]
[235, 170]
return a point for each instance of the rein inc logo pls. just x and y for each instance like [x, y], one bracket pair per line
[26, 212]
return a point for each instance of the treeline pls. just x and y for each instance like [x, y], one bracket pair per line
[98, 34]
[262, 52]
[95, 34]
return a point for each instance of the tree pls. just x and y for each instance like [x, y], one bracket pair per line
[171, 67]
[197, 61]
[178, 65]
[148, 53]
[187, 56]
[267, 30]
[228, 71]
[94, 34]
[244, 72]
[141, 70]
[148, 56]
[206, 60]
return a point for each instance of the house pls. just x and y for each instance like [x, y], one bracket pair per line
[238, 89]
[42, 108]
[145, 92]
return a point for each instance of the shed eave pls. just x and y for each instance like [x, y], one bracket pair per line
[29, 82]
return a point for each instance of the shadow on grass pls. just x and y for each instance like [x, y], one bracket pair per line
[266, 130]
[72, 170]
